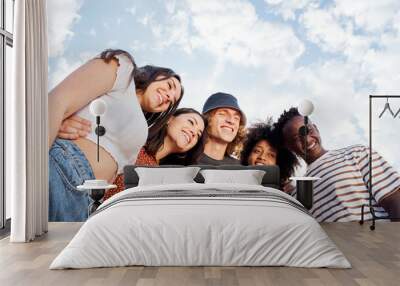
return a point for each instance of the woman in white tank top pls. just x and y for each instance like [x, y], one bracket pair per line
[139, 102]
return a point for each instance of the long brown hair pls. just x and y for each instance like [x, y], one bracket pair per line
[143, 77]
[156, 141]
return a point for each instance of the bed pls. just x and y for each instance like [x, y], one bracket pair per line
[201, 224]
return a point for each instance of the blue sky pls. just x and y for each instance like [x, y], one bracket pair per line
[268, 53]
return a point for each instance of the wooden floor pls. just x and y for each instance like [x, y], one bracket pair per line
[374, 255]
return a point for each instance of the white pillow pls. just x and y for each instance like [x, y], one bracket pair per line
[163, 176]
[249, 177]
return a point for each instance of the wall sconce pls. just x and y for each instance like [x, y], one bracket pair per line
[304, 185]
[98, 107]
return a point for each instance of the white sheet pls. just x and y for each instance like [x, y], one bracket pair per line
[200, 231]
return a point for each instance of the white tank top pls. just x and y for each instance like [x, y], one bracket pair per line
[124, 121]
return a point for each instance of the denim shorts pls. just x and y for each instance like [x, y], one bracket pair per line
[68, 168]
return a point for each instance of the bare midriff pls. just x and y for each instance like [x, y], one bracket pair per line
[106, 168]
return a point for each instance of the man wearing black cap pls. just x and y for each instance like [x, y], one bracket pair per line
[225, 130]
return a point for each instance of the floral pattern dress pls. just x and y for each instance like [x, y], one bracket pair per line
[143, 158]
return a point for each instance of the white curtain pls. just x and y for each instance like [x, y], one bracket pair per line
[26, 117]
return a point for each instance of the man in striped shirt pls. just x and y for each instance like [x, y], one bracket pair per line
[344, 173]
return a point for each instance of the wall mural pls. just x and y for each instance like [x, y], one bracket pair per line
[181, 69]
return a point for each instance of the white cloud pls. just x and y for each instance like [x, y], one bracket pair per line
[62, 15]
[323, 29]
[230, 31]
[396, 20]
[92, 32]
[334, 35]
[64, 67]
[176, 32]
[376, 53]
[372, 16]
[288, 8]
[382, 65]
[170, 6]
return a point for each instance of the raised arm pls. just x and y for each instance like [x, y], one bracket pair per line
[88, 82]
[391, 204]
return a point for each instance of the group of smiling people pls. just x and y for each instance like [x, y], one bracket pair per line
[144, 126]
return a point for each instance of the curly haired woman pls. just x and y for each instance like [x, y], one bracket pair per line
[261, 147]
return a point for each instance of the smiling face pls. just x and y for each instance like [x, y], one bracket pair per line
[161, 94]
[224, 124]
[296, 143]
[184, 131]
[262, 154]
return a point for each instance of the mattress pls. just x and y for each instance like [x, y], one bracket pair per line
[201, 225]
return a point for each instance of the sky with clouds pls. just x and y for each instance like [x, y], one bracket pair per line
[270, 54]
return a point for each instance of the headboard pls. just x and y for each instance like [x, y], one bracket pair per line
[270, 179]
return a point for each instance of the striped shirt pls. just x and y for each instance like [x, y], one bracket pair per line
[343, 187]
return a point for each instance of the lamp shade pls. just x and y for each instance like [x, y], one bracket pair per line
[306, 107]
[98, 107]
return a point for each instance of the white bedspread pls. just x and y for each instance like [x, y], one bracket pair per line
[177, 231]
